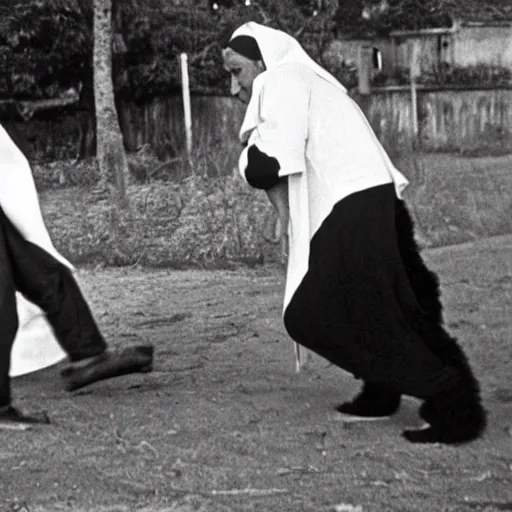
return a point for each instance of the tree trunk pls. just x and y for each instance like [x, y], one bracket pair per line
[110, 149]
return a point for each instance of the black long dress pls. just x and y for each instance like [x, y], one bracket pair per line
[356, 305]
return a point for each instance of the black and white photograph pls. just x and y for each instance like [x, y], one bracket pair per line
[255, 255]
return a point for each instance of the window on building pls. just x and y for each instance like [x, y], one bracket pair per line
[377, 59]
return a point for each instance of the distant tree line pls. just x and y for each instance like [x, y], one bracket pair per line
[46, 45]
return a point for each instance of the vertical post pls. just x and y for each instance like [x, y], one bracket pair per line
[414, 107]
[414, 71]
[186, 102]
[364, 67]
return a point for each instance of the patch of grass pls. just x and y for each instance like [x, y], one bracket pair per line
[455, 199]
[210, 223]
[212, 220]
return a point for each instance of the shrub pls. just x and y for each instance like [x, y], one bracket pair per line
[194, 222]
[213, 222]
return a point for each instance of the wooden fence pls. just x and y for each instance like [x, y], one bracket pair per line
[449, 120]
[462, 120]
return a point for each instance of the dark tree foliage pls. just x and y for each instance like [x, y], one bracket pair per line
[46, 45]
[46, 49]
[412, 15]
[364, 17]
[156, 36]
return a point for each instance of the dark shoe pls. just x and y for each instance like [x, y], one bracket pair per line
[13, 419]
[136, 359]
[455, 416]
[374, 402]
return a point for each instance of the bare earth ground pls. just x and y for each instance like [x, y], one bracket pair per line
[225, 424]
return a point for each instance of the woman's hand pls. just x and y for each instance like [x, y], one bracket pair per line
[281, 226]
[278, 196]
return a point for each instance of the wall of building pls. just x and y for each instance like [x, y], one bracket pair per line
[489, 45]
[467, 46]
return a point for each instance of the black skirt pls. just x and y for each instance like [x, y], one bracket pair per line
[356, 305]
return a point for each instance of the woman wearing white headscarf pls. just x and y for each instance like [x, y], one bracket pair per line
[357, 290]
[31, 267]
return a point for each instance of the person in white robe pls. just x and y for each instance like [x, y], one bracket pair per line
[39, 293]
[357, 289]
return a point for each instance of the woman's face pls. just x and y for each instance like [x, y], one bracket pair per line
[243, 72]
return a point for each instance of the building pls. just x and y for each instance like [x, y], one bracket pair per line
[479, 34]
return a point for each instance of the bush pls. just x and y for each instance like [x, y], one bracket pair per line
[481, 74]
[194, 222]
[220, 222]
[47, 51]
[449, 75]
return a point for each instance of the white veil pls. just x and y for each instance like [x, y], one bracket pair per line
[279, 48]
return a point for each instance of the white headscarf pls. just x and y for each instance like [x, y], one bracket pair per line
[279, 48]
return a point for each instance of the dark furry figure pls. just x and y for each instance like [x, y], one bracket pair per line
[426, 287]
[424, 282]
[456, 415]
[375, 400]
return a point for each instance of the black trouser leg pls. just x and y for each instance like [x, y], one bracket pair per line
[8, 318]
[49, 284]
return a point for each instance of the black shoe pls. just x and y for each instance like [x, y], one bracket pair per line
[135, 359]
[374, 402]
[13, 419]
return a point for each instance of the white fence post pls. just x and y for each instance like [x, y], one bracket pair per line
[185, 85]
[414, 72]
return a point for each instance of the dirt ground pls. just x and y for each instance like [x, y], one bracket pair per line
[225, 424]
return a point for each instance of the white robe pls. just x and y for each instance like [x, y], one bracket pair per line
[323, 143]
[35, 346]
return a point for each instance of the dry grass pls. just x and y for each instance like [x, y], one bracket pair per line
[196, 221]
[457, 199]
[213, 220]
